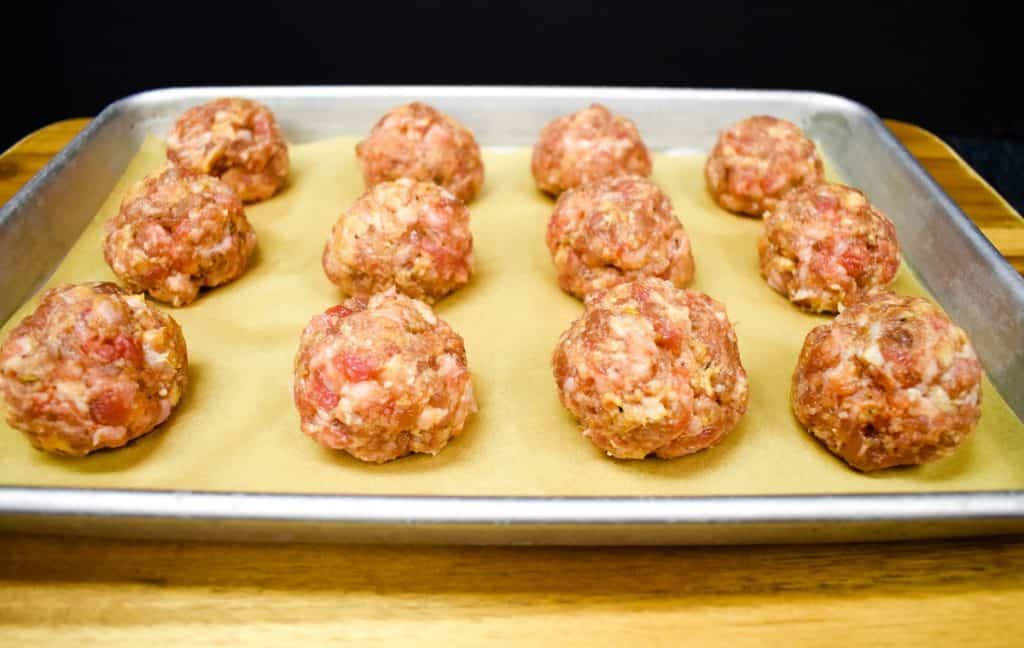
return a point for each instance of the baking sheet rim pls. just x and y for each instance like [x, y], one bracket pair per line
[456, 510]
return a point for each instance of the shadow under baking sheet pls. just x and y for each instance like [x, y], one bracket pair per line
[237, 428]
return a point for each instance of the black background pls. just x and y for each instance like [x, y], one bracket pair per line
[952, 69]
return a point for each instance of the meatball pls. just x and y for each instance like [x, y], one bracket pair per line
[615, 230]
[585, 146]
[649, 368]
[418, 141]
[891, 381]
[381, 378]
[93, 367]
[756, 161]
[177, 232]
[237, 140]
[823, 245]
[413, 236]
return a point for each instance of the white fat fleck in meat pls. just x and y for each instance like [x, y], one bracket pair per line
[107, 311]
[425, 312]
[651, 409]
[447, 364]
[177, 281]
[940, 399]
[154, 359]
[73, 392]
[21, 347]
[430, 417]
[222, 247]
[407, 214]
[106, 434]
[801, 294]
[355, 397]
[872, 355]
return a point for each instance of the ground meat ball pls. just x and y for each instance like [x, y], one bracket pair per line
[382, 378]
[93, 367]
[413, 236]
[758, 160]
[891, 381]
[649, 368]
[825, 244]
[177, 232]
[615, 230]
[585, 146]
[237, 140]
[418, 141]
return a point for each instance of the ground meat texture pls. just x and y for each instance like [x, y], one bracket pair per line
[826, 244]
[615, 230]
[382, 378]
[413, 236]
[93, 367]
[891, 381]
[418, 141]
[585, 146]
[237, 140]
[177, 232]
[649, 368]
[758, 160]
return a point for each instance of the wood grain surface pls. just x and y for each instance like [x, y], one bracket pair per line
[990, 212]
[23, 160]
[74, 592]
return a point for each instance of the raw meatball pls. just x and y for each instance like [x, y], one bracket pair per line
[890, 381]
[651, 368]
[382, 378]
[615, 230]
[756, 161]
[585, 146]
[177, 232]
[825, 244]
[413, 236]
[420, 142]
[237, 140]
[93, 367]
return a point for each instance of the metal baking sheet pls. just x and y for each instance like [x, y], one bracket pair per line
[955, 262]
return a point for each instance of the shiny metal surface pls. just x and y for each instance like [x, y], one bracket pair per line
[520, 520]
[953, 259]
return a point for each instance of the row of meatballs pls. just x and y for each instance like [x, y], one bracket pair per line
[648, 368]
[184, 228]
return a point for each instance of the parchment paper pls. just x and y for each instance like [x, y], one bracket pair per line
[236, 428]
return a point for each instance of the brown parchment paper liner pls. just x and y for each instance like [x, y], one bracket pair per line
[237, 429]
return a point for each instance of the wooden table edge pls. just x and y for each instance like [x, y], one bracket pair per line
[64, 129]
[897, 126]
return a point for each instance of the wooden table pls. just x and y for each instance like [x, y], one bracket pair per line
[74, 592]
